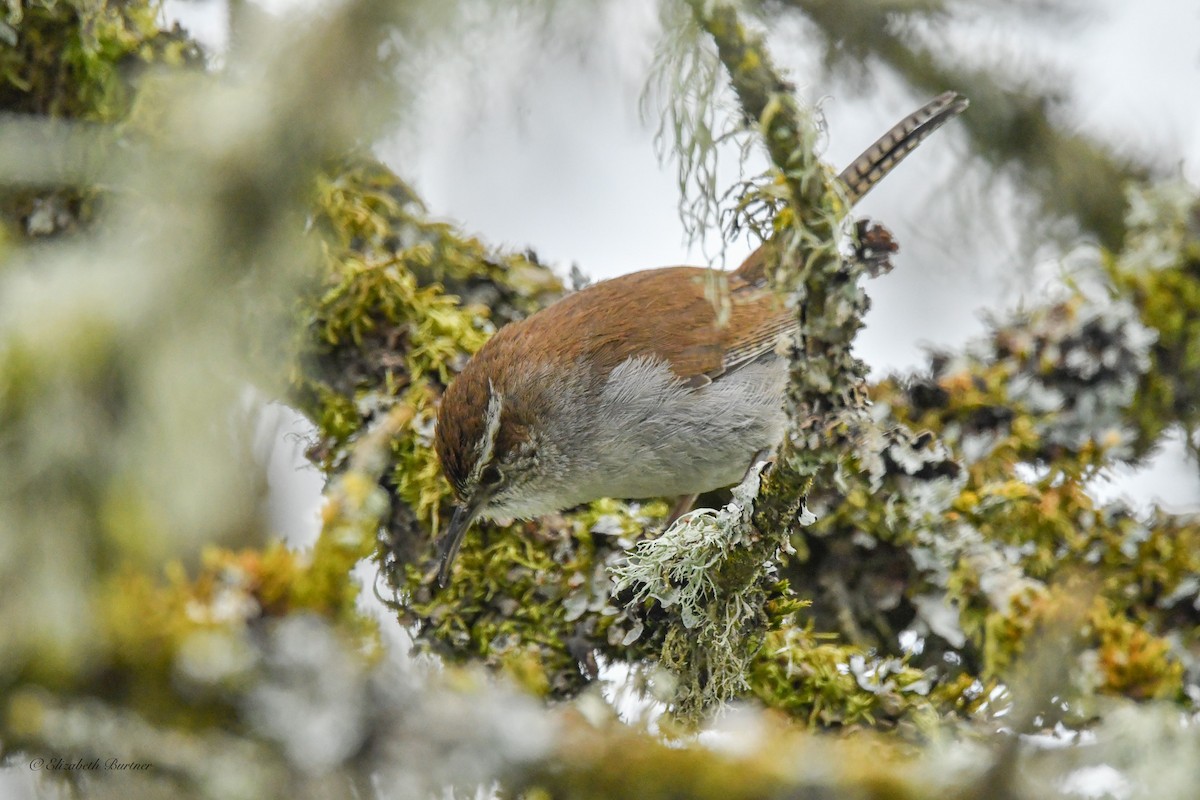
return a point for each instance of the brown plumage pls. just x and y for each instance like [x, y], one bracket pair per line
[660, 382]
[865, 172]
[701, 322]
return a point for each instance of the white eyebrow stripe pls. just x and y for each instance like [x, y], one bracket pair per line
[487, 444]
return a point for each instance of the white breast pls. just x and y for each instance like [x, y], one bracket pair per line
[646, 434]
[656, 436]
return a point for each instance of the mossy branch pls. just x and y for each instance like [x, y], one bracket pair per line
[711, 572]
[805, 264]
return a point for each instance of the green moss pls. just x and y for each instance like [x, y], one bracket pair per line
[1132, 662]
[814, 678]
[155, 627]
[78, 60]
[1160, 272]
[400, 303]
[74, 58]
[534, 599]
[1006, 631]
[382, 327]
[380, 324]
[1009, 403]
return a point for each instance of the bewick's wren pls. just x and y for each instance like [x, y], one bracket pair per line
[646, 385]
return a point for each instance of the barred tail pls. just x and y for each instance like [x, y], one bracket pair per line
[879, 159]
[890, 149]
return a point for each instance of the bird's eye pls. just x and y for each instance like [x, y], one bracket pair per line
[490, 476]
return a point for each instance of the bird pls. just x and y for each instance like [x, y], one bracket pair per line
[663, 382]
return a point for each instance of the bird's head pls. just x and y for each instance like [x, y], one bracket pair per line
[488, 449]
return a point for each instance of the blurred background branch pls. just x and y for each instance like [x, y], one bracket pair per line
[1014, 128]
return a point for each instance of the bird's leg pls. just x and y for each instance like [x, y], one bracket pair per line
[682, 506]
[685, 502]
[761, 455]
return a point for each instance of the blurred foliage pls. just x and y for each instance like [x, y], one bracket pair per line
[127, 631]
[922, 548]
[78, 61]
[1012, 127]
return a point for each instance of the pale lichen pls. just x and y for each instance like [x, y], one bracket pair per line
[709, 573]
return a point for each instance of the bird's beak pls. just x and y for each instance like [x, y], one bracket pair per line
[448, 545]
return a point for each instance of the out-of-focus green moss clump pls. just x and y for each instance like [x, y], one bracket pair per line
[72, 58]
[92, 405]
[76, 60]
[1159, 271]
[156, 632]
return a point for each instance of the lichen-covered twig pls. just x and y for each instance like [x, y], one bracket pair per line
[712, 571]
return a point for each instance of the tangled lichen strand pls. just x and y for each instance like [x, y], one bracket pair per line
[712, 577]
[695, 124]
